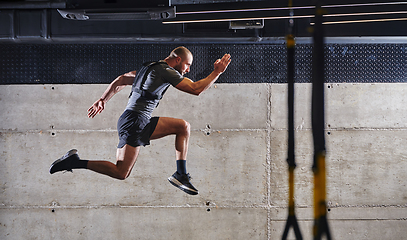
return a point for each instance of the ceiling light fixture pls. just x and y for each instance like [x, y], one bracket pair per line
[284, 17]
[293, 8]
[364, 21]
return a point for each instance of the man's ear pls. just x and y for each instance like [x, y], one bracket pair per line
[178, 60]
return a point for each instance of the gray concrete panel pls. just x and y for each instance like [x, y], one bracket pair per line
[134, 223]
[348, 229]
[279, 105]
[223, 106]
[376, 105]
[227, 167]
[364, 222]
[363, 167]
[378, 212]
[61, 107]
[367, 167]
[279, 168]
[64, 107]
[237, 159]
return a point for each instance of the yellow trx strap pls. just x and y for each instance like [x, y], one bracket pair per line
[318, 122]
[291, 220]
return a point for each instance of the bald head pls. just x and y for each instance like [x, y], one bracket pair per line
[181, 52]
[180, 59]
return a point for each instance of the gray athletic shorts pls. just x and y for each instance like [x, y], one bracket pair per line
[135, 129]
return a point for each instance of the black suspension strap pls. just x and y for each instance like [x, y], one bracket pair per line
[292, 219]
[320, 227]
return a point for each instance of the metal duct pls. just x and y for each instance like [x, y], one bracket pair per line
[32, 4]
[118, 14]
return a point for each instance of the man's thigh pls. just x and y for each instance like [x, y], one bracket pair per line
[168, 126]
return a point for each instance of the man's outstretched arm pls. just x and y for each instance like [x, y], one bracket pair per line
[196, 88]
[114, 87]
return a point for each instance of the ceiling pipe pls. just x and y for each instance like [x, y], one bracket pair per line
[32, 4]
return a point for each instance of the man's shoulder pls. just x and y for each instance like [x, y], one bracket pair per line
[162, 65]
[153, 63]
[161, 68]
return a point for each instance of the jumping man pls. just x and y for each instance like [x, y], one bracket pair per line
[136, 127]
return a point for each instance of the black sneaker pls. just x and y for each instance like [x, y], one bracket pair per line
[181, 181]
[65, 162]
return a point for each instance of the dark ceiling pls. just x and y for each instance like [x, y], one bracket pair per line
[195, 20]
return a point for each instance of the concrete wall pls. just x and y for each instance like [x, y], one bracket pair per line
[237, 160]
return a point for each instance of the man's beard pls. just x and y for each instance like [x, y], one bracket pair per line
[178, 68]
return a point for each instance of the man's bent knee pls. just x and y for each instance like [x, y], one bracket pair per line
[126, 158]
[123, 170]
[123, 176]
[185, 127]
